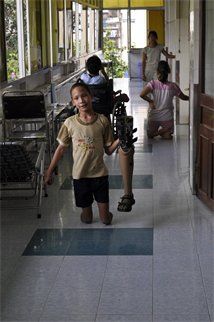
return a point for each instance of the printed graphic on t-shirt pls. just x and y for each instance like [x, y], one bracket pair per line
[87, 143]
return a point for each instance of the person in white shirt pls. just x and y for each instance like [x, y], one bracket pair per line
[151, 57]
[95, 73]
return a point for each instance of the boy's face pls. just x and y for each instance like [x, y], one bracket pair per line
[81, 99]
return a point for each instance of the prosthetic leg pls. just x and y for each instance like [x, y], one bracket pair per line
[124, 131]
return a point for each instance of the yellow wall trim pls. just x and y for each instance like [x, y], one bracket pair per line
[117, 4]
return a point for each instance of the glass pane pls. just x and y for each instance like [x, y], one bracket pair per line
[35, 34]
[83, 31]
[91, 30]
[69, 29]
[209, 48]
[74, 29]
[112, 25]
[3, 70]
[124, 35]
[138, 23]
[78, 29]
[26, 37]
[96, 29]
[61, 34]
[11, 39]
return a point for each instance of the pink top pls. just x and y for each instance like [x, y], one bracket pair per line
[163, 94]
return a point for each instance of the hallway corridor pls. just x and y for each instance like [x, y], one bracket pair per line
[154, 264]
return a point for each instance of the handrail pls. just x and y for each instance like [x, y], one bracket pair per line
[70, 78]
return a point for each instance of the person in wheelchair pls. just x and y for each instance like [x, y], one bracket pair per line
[95, 75]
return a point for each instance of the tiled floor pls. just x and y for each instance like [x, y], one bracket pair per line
[154, 264]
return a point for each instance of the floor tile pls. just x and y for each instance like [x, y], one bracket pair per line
[127, 279]
[121, 302]
[117, 241]
[178, 293]
[61, 315]
[82, 272]
[25, 298]
[181, 318]
[67, 301]
[124, 318]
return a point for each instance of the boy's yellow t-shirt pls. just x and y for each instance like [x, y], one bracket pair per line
[88, 141]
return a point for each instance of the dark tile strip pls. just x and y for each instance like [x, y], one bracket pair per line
[70, 242]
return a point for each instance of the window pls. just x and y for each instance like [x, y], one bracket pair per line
[35, 29]
[96, 23]
[91, 29]
[44, 33]
[138, 22]
[11, 37]
[77, 30]
[69, 33]
[3, 69]
[61, 30]
[26, 38]
[83, 30]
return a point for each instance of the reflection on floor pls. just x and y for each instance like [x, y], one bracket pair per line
[155, 263]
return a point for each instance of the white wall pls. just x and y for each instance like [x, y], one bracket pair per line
[177, 40]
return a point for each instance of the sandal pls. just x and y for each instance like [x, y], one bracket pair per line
[126, 203]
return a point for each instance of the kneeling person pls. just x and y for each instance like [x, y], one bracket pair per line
[160, 113]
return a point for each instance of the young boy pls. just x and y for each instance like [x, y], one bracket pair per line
[90, 135]
[95, 75]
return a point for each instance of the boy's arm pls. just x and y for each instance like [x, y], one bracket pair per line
[183, 97]
[110, 149]
[57, 156]
[167, 55]
[104, 73]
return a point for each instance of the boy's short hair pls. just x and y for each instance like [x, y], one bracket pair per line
[93, 65]
[80, 83]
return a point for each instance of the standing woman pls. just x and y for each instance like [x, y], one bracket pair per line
[151, 57]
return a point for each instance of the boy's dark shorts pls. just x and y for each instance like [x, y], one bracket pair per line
[88, 189]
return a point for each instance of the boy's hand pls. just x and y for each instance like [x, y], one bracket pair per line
[48, 178]
[152, 105]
